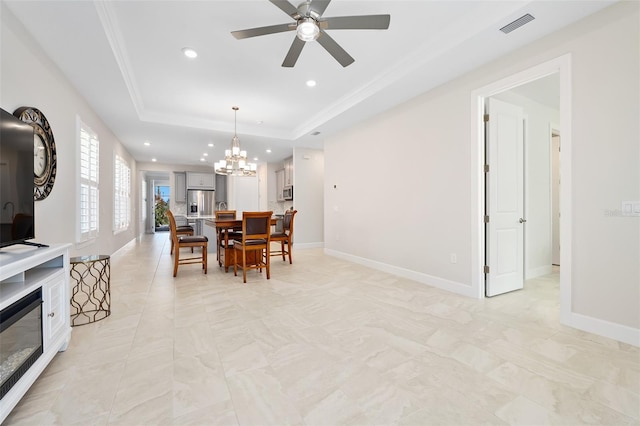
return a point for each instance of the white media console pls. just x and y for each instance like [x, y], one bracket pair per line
[24, 269]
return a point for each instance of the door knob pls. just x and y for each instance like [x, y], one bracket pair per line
[522, 220]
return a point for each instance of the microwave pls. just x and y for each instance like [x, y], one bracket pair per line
[287, 192]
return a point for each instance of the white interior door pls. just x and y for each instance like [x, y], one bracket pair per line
[505, 198]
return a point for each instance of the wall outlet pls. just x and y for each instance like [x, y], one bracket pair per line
[454, 258]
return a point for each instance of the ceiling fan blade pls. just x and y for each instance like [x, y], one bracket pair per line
[260, 31]
[294, 53]
[319, 6]
[334, 49]
[363, 22]
[287, 8]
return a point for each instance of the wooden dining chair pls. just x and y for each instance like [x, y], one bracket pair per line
[187, 241]
[251, 250]
[285, 237]
[225, 236]
[182, 230]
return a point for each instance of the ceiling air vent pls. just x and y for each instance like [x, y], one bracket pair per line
[517, 23]
[315, 133]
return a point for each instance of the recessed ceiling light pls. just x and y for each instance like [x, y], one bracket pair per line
[211, 145]
[153, 160]
[202, 159]
[255, 158]
[206, 154]
[147, 144]
[189, 52]
[268, 151]
[311, 83]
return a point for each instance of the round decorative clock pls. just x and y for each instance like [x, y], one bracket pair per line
[45, 161]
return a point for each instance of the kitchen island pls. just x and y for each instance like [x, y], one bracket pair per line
[200, 228]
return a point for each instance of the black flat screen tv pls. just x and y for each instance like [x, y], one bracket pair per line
[17, 222]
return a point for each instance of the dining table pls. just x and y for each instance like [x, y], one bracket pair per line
[226, 256]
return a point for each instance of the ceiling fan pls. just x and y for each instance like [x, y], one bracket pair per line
[310, 25]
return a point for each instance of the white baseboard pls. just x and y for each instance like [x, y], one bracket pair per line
[309, 245]
[603, 328]
[441, 283]
[132, 241]
[538, 272]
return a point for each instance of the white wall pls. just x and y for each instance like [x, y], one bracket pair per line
[263, 187]
[419, 153]
[29, 78]
[244, 194]
[537, 191]
[606, 166]
[308, 197]
[272, 197]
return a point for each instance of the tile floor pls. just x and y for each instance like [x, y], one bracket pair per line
[326, 342]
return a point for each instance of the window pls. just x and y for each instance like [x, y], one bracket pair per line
[89, 190]
[122, 195]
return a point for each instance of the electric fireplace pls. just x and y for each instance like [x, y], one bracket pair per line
[20, 338]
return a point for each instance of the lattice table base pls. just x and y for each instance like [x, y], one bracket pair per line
[91, 293]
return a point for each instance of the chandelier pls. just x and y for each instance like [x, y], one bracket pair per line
[235, 162]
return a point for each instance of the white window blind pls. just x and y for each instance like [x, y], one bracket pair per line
[89, 189]
[122, 195]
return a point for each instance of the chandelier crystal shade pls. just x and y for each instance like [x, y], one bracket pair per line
[235, 161]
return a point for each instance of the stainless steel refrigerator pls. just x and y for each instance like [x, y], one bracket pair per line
[201, 203]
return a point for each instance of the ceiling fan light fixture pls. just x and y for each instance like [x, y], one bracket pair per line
[307, 29]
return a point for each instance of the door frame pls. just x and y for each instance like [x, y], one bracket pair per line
[561, 65]
[554, 130]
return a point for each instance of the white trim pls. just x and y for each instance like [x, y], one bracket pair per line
[304, 246]
[90, 235]
[121, 170]
[538, 272]
[553, 127]
[562, 65]
[124, 247]
[608, 329]
[441, 283]
[109, 21]
[566, 188]
[76, 162]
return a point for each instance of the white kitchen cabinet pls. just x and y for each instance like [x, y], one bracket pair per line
[180, 195]
[201, 180]
[288, 171]
[55, 308]
[279, 185]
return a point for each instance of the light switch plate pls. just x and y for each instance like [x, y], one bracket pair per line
[631, 208]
